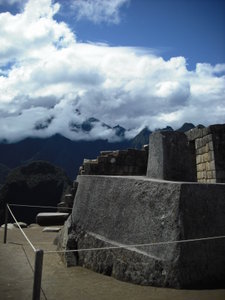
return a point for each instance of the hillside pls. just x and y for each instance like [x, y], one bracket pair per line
[36, 183]
[68, 154]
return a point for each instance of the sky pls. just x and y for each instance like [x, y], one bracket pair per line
[135, 63]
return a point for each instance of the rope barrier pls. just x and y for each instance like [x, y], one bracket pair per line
[122, 246]
[24, 234]
[36, 206]
[137, 245]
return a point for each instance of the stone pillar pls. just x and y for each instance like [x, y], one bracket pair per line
[170, 157]
[205, 160]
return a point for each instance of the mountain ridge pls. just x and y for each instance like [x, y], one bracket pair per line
[68, 154]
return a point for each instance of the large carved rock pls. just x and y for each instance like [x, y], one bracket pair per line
[126, 211]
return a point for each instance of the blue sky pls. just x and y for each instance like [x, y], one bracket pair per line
[194, 29]
[135, 63]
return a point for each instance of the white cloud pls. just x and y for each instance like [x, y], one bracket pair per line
[49, 81]
[98, 11]
[33, 33]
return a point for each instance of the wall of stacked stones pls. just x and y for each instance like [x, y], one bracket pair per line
[120, 162]
[210, 153]
[205, 159]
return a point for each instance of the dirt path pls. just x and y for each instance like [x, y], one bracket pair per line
[59, 282]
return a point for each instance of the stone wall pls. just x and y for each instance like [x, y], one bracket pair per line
[210, 153]
[197, 155]
[120, 162]
[130, 210]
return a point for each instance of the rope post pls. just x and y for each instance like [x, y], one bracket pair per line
[37, 274]
[6, 223]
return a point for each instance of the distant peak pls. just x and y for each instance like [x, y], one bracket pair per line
[185, 127]
[120, 131]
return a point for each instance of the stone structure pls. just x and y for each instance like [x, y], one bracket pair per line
[122, 210]
[197, 155]
[209, 146]
[120, 162]
[171, 157]
[129, 211]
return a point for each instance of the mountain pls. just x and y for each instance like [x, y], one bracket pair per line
[141, 139]
[57, 149]
[167, 128]
[68, 154]
[4, 171]
[119, 131]
[185, 127]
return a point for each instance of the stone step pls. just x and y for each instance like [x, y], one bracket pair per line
[48, 219]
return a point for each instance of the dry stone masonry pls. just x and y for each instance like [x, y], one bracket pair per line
[210, 153]
[166, 205]
[197, 155]
[120, 162]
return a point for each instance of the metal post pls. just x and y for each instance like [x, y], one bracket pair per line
[6, 223]
[37, 274]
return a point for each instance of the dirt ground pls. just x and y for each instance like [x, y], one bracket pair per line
[59, 282]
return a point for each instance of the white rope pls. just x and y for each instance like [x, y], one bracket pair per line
[36, 206]
[21, 229]
[137, 245]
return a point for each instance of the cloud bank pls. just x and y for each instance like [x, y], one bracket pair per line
[98, 11]
[49, 80]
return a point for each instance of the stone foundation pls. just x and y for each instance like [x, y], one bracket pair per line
[116, 210]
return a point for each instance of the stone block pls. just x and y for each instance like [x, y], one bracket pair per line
[125, 211]
[206, 157]
[51, 229]
[198, 143]
[209, 175]
[48, 219]
[171, 157]
[193, 134]
[207, 166]
[212, 165]
[199, 176]
[210, 146]
[200, 151]
[198, 159]
[211, 155]
[201, 167]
